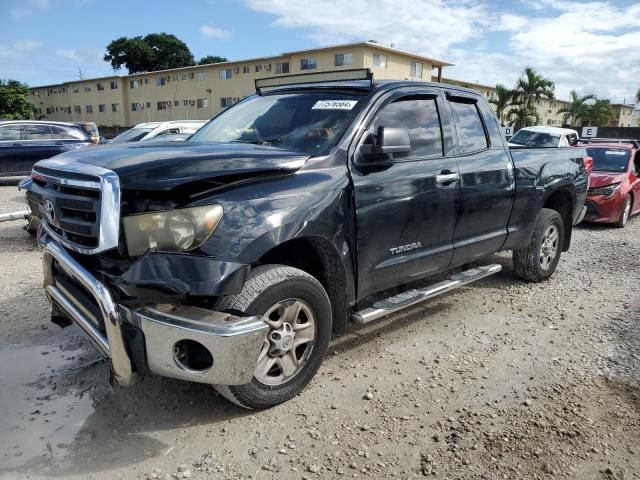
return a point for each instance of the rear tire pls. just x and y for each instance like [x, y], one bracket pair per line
[298, 311]
[625, 213]
[539, 259]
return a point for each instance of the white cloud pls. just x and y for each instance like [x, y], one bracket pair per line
[69, 54]
[18, 48]
[214, 32]
[591, 46]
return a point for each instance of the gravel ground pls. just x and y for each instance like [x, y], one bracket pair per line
[502, 379]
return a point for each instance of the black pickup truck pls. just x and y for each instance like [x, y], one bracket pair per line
[231, 258]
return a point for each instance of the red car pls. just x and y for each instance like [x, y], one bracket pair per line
[614, 189]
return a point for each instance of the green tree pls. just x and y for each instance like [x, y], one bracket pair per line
[531, 87]
[576, 109]
[522, 115]
[14, 103]
[212, 59]
[155, 51]
[502, 100]
[599, 114]
[638, 96]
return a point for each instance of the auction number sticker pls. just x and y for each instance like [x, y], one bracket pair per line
[334, 105]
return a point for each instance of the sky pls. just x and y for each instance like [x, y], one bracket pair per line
[592, 47]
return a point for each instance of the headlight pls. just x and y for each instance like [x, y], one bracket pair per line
[607, 190]
[176, 230]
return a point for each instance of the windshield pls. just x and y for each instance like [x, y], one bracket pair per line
[301, 122]
[131, 135]
[609, 160]
[535, 139]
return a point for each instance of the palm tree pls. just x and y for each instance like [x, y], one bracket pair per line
[598, 114]
[576, 109]
[522, 115]
[502, 100]
[531, 87]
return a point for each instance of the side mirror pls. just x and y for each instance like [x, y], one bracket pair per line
[390, 143]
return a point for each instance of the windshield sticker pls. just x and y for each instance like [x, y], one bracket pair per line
[334, 105]
[615, 152]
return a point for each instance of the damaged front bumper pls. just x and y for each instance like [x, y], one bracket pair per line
[188, 343]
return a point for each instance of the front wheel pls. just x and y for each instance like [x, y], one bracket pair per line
[297, 309]
[539, 259]
[625, 213]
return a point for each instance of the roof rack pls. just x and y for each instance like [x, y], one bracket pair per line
[635, 143]
[322, 77]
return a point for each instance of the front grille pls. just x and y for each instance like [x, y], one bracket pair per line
[74, 209]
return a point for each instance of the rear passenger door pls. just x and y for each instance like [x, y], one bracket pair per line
[487, 184]
[10, 149]
[405, 209]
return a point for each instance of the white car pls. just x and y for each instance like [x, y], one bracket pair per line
[144, 131]
[552, 137]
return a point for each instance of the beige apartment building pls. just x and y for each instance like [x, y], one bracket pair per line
[200, 92]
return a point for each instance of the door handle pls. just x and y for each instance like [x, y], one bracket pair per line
[445, 178]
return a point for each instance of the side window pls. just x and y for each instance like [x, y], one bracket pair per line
[419, 115]
[471, 134]
[9, 133]
[38, 132]
[61, 133]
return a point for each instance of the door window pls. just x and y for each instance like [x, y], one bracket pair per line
[471, 134]
[61, 133]
[9, 133]
[38, 132]
[419, 115]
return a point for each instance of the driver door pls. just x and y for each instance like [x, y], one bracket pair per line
[405, 212]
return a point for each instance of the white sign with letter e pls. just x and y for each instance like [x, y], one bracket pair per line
[588, 132]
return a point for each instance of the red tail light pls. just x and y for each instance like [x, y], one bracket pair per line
[588, 163]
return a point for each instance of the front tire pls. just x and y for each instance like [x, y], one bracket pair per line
[297, 309]
[625, 213]
[539, 259]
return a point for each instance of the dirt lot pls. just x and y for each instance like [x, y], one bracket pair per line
[499, 380]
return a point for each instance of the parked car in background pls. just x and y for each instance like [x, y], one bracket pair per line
[550, 137]
[168, 137]
[24, 142]
[614, 191]
[144, 131]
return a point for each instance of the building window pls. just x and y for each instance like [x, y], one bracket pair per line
[77, 109]
[226, 74]
[161, 81]
[101, 108]
[416, 71]
[76, 89]
[379, 60]
[87, 88]
[282, 67]
[201, 76]
[226, 102]
[344, 59]
[162, 105]
[99, 86]
[258, 68]
[246, 69]
[115, 107]
[185, 103]
[88, 108]
[184, 76]
[134, 83]
[136, 107]
[114, 85]
[202, 103]
[176, 103]
[146, 81]
[148, 104]
[308, 63]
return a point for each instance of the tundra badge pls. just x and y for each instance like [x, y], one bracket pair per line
[405, 248]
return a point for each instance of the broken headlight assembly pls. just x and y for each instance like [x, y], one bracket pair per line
[607, 191]
[178, 230]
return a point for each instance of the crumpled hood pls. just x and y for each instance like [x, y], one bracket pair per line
[602, 179]
[167, 165]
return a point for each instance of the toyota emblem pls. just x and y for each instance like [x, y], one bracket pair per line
[49, 211]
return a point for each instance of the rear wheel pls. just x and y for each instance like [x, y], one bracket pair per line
[297, 309]
[625, 213]
[539, 259]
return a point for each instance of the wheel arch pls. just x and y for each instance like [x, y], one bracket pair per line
[318, 257]
[562, 200]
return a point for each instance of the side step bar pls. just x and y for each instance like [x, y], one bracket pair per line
[412, 297]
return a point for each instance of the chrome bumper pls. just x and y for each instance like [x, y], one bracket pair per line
[232, 342]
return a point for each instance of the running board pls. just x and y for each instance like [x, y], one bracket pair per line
[412, 297]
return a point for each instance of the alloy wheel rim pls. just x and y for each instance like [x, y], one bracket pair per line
[549, 247]
[288, 344]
